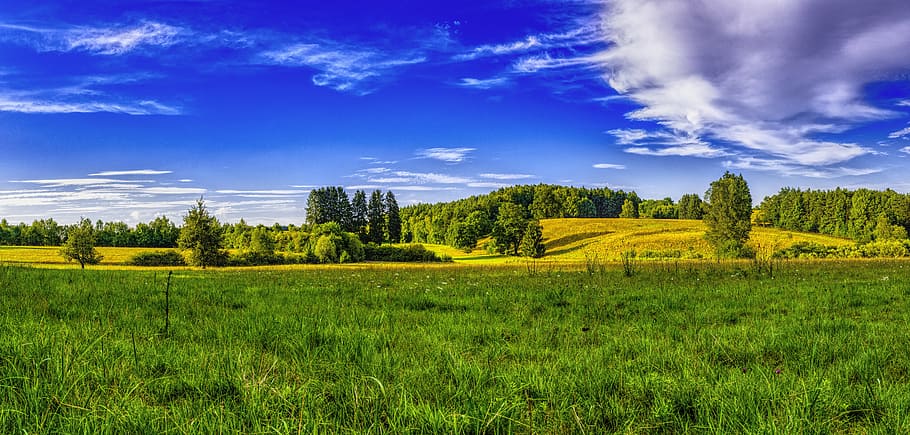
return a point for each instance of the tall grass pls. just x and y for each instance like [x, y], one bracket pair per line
[706, 347]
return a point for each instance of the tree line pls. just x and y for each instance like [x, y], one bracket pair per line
[159, 233]
[862, 215]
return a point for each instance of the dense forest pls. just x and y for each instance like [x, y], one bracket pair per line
[862, 215]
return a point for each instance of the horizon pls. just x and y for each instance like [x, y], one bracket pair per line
[131, 112]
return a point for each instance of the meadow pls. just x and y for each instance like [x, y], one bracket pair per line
[682, 346]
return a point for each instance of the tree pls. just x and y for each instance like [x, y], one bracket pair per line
[392, 218]
[629, 209]
[690, 207]
[261, 241]
[375, 218]
[728, 215]
[359, 214]
[509, 227]
[201, 234]
[80, 244]
[532, 241]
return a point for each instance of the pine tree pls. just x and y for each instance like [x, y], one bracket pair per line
[375, 218]
[532, 241]
[392, 218]
[201, 234]
[359, 214]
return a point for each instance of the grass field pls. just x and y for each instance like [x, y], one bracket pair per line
[703, 347]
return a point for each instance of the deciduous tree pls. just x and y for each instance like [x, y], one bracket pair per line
[201, 235]
[728, 215]
[80, 244]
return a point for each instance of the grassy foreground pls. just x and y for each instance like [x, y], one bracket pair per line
[701, 347]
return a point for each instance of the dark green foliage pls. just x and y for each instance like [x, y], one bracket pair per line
[359, 214]
[863, 215]
[261, 241]
[376, 218]
[729, 215]
[392, 218]
[532, 241]
[330, 204]
[157, 258]
[509, 227]
[658, 209]
[691, 207]
[80, 244]
[414, 253]
[201, 236]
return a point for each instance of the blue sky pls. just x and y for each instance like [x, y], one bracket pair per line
[121, 110]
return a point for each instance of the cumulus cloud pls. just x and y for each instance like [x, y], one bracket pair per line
[448, 155]
[761, 78]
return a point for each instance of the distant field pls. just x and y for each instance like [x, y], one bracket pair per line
[705, 347]
[572, 240]
[567, 241]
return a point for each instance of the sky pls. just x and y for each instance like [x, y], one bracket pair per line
[129, 110]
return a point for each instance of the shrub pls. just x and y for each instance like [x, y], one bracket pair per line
[411, 253]
[157, 258]
[253, 258]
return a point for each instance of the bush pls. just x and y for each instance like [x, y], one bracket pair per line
[411, 254]
[255, 259]
[157, 258]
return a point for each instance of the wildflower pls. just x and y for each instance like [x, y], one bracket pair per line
[776, 371]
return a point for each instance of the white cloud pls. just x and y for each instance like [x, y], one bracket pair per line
[121, 40]
[900, 133]
[379, 170]
[130, 172]
[448, 155]
[506, 176]
[420, 178]
[272, 192]
[608, 166]
[69, 182]
[341, 68]
[904, 103]
[905, 150]
[487, 185]
[185, 180]
[111, 40]
[21, 104]
[495, 82]
[757, 77]
[787, 168]
[580, 35]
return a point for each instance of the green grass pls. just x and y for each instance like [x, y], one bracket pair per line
[678, 347]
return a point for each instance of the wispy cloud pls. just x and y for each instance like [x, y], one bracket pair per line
[494, 176]
[110, 40]
[486, 185]
[495, 82]
[130, 172]
[420, 178]
[578, 35]
[900, 133]
[757, 78]
[26, 104]
[785, 167]
[340, 67]
[608, 166]
[448, 155]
